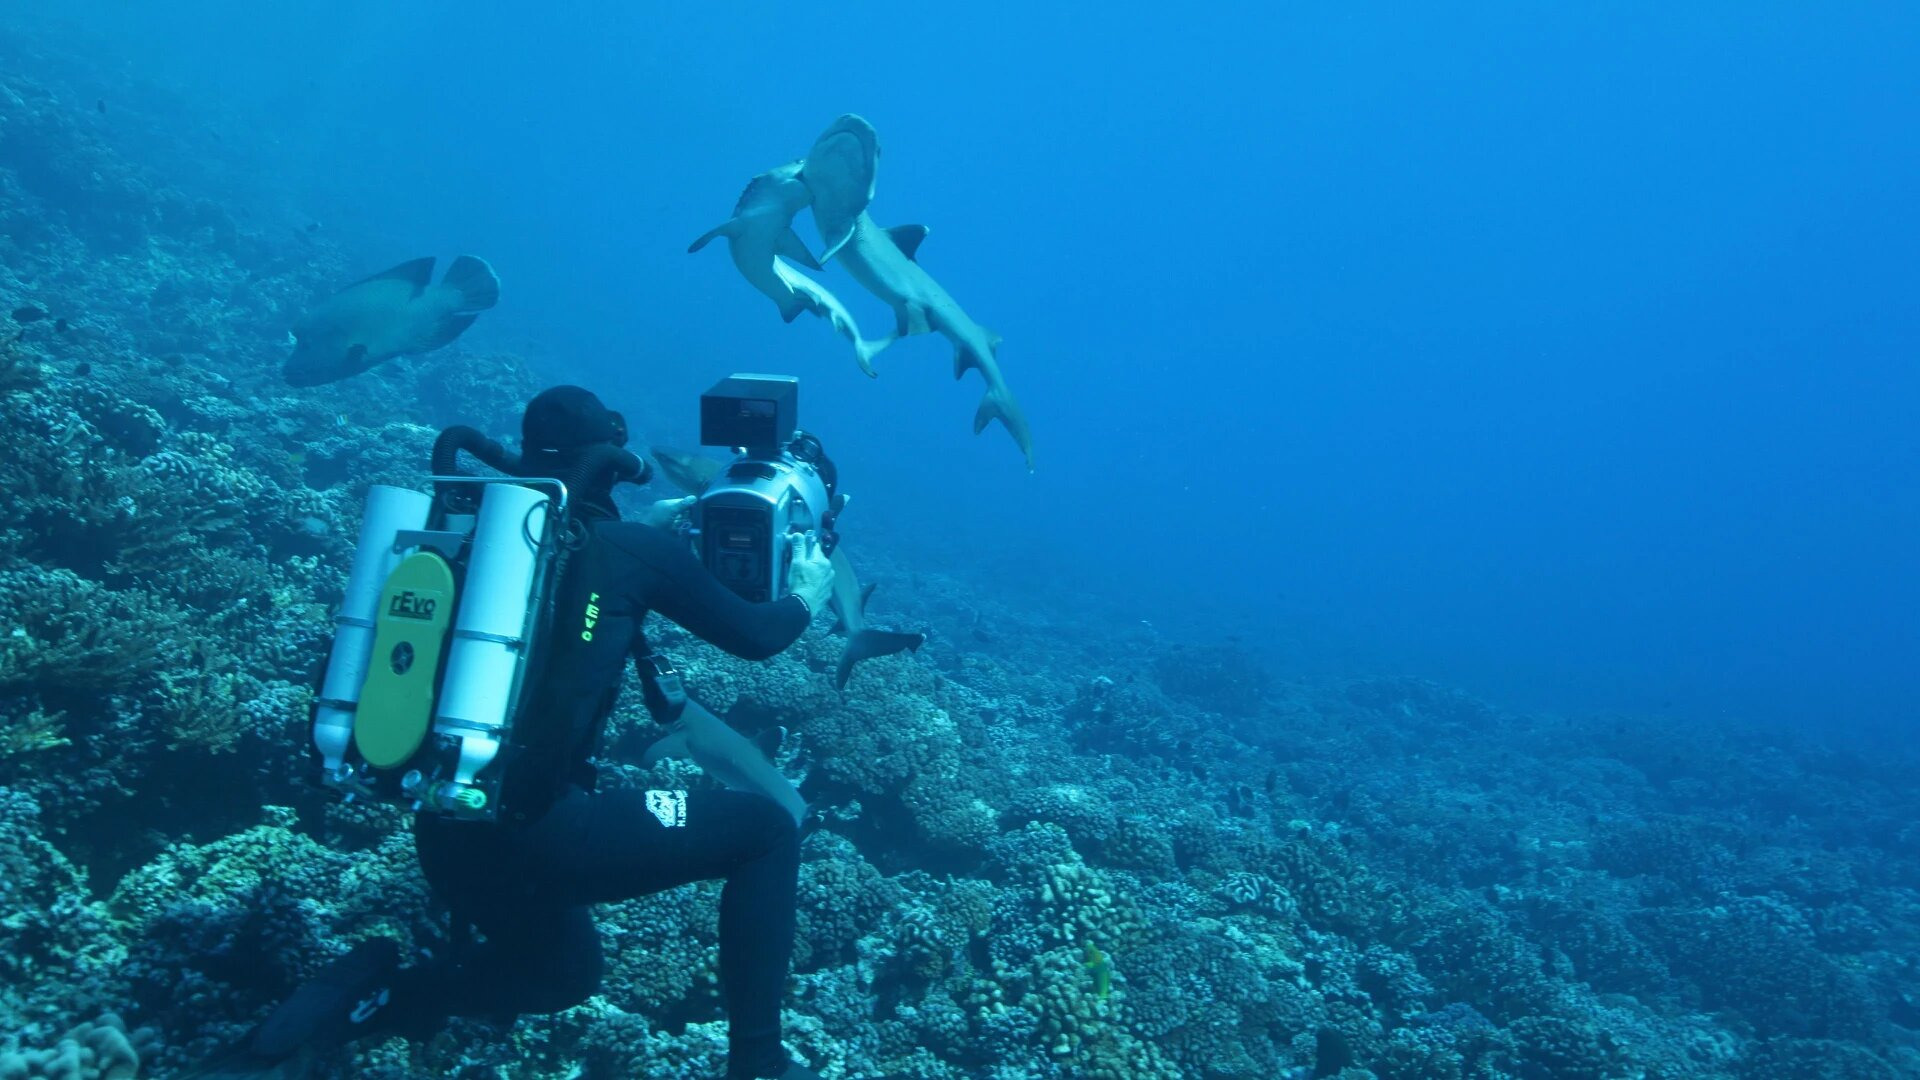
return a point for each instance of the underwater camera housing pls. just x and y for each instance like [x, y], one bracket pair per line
[782, 483]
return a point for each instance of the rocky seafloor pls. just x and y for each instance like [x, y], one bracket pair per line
[1070, 848]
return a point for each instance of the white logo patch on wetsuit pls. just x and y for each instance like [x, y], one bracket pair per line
[669, 806]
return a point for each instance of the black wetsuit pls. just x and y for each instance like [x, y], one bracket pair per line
[526, 882]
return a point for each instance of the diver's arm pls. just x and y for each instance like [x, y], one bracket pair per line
[678, 587]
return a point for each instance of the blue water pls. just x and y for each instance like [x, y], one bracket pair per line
[1566, 355]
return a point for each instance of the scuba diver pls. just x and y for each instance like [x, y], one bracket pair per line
[527, 881]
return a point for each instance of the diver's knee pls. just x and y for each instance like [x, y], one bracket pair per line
[772, 823]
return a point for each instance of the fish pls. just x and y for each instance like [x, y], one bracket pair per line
[1102, 969]
[60, 326]
[398, 312]
[884, 261]
[841, 172]
[726, 755]
[828, 306]
[692, 474]
[762, 227]
[28, 314]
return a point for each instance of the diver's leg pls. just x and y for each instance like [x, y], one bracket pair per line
[340, 1003]
[631, 843]
[535, 959]
[539, 953]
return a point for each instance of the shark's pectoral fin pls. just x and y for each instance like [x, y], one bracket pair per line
[907, 238]
[792, 247]
[839, 173]
[725, 228]
[357, 357]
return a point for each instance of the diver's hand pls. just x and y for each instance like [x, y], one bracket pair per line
[662, 514]
[811, 575]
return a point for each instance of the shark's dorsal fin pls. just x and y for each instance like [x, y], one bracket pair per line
[907, 238]
[417, 272]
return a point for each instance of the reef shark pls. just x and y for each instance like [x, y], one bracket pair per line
[692, 473]
[760, 234]
[726, 755]
[762, 227]
[839, 175]
[828, 306]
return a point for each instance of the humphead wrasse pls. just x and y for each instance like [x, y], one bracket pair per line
[398, 312]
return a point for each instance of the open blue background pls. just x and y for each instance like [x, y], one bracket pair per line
[1564, 353]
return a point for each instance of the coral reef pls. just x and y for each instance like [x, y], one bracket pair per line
[100, 1049]
[1064, 848]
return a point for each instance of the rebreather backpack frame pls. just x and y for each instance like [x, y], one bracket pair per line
[439, 634]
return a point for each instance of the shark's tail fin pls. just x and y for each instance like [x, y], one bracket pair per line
[868, 644]
[478, 285]
[998, 404]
